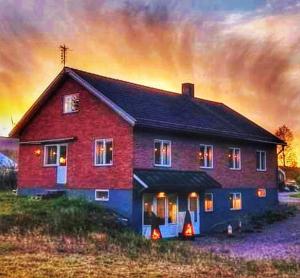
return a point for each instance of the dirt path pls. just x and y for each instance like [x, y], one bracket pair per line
[277, 241]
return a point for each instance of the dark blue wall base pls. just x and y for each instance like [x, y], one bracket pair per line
[120, 200]
[222, 216]
[128, 203]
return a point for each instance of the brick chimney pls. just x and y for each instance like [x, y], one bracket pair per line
[188, 89]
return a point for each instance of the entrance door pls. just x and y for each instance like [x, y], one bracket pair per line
[62, 164]
[193, 206]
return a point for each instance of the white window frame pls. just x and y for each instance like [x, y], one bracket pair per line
[261, 169]
[102, 199]
[212, 156]
[64, 101]
[104, 153]
[234, 197]
[161, 141]
[57, 155]
[213, 204]
[240, 152]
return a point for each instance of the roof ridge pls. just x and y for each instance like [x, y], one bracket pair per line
[144, 86]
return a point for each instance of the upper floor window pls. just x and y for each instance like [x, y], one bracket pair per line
[71, 103]
[261, 161]
[162, 153]
[206, 156]
[103, 152]
[234, 158]
[235, 200]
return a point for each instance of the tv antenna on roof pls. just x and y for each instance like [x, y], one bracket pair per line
[63, 54]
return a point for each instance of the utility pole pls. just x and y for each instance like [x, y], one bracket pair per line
[63, 54]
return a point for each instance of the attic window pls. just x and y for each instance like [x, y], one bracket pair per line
[71, 103]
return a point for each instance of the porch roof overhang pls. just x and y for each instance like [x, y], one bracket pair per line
[156, 180]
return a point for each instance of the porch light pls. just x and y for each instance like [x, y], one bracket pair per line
[193, 195]
[161, 195]
[261, 192]
[37, 152]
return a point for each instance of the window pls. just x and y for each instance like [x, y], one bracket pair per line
[261, 193]
[161, 205]
[206, 156]
[261, 161]
[51, 155]
[208, 202]
[235, 200]
[55, 155]
[104, 152]
[101, 195]
[148, 208]
[161, 209]
[162, 153]
[234, 158]
[193, 202]
[172, 208]
[71, 103]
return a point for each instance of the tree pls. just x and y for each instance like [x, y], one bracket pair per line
[287, 156]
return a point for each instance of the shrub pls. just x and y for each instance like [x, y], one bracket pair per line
[8, 178]
[57, 216]
[298, 180]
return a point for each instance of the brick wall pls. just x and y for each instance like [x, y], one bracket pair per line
[94, 121]
[185, 151]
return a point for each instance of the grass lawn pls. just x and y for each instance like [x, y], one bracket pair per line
[295, 195]
[29, 247]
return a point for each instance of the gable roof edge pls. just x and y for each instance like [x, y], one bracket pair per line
[35, 106]
[102, 97]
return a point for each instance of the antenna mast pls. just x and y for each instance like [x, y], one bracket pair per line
[63, 54]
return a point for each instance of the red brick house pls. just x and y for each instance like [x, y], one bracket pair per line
[140, 150]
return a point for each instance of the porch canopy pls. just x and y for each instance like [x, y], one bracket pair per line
[155, 180]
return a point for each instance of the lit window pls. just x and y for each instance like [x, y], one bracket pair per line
[193, 203]
[235, 200]
[101, 195]
[51, 155]
[172, 209]
[261, 161]
[206, 156]
[208, 202]
[148, 208]
[71, 103]
[104, 152]
[161, 209]
[234, 158]
[162, 153]
[261, 192]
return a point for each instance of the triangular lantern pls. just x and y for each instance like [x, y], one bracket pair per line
[188, 229]
[155, 230]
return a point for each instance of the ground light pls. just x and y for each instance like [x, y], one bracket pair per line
[188, 229]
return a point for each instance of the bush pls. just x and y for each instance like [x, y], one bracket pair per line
[57, 216]
[8, 178]
[298, 180]
[280, 213]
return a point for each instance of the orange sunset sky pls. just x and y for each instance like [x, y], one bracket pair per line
[243, 53]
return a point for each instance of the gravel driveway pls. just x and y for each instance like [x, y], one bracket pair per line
[277, 241]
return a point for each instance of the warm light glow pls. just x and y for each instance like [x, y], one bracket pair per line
[261, 192]
[62, 160]
[193, 195]
[161, 195]
[188, 230]
[155, 234]
[37, 152]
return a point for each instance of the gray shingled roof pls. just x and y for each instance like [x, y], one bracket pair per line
[154, 108]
